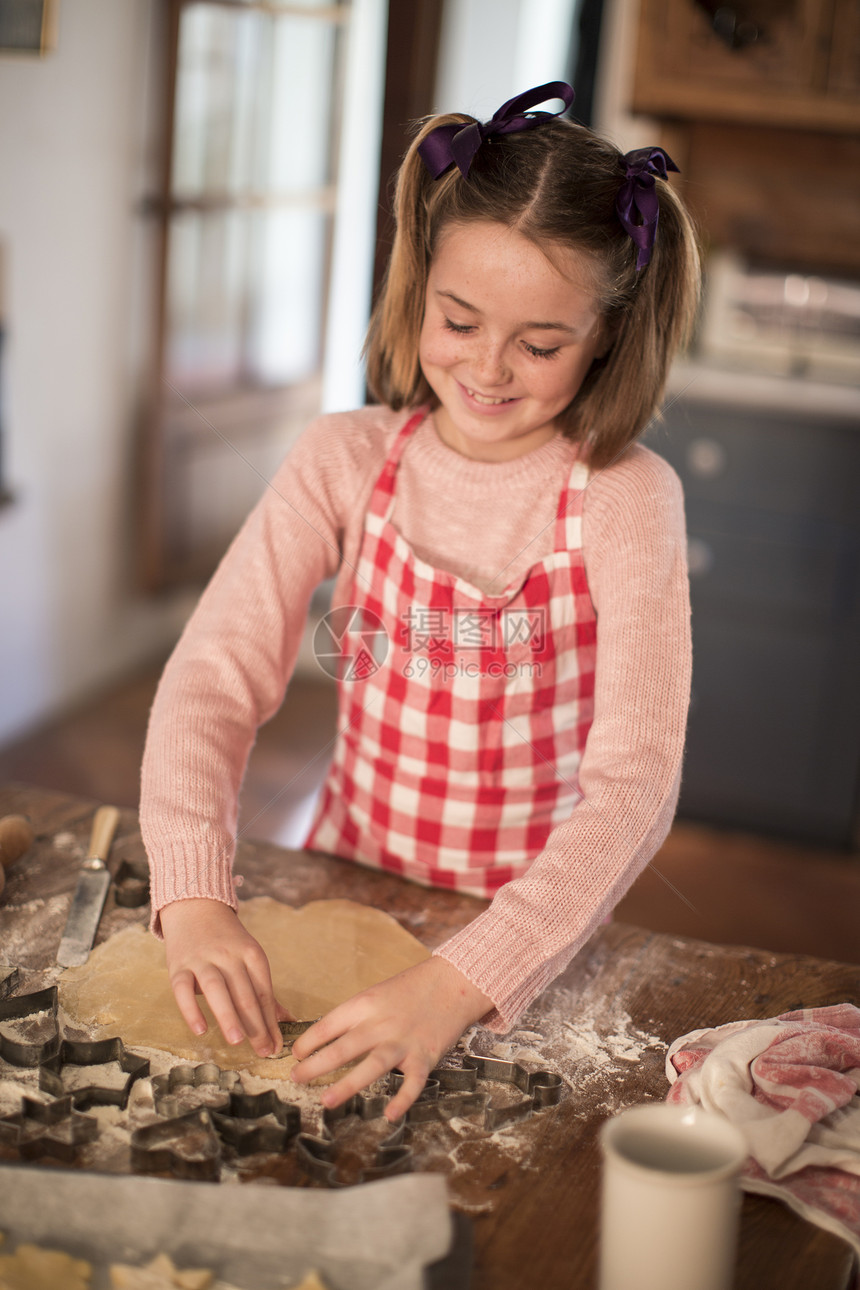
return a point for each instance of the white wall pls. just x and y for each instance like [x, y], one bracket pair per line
[357, 207]
[75, 133]
[491, 50]
[78, 146]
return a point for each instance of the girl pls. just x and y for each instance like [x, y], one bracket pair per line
[517, 563]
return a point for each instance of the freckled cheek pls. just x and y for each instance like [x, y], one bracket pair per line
[439, 350]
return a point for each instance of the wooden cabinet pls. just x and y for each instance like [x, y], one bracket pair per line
[779, 62]
[774, 539]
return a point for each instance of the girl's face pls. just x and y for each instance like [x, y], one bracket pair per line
[507, 338]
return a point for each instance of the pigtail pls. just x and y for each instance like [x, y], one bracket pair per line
[391, 351]
[651, 315]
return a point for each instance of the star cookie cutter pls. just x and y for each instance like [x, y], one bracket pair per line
[48, 1129]
[21, 1052]
[92, 1052]
[186, 1146]
[241, 1126]
[170, 1092]
[453, 1091]
[237, 1116]
[319, 1155]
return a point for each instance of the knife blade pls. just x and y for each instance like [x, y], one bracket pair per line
[91, 892]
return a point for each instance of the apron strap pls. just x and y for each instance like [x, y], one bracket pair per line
[568, 520]
[382, 497]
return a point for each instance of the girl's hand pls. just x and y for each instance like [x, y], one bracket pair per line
[407, 1022]
[210, 953]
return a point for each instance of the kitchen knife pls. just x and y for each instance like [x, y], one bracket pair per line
[88, 903]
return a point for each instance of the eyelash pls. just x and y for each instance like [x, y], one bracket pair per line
[541, 353]
[463, 329]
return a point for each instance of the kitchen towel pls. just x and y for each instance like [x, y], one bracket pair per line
[790, 1084]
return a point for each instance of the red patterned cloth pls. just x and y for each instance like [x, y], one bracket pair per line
[790, 1084]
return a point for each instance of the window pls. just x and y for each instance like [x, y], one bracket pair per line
[246, 224]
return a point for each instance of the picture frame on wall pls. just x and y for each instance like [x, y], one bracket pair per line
[28, 27]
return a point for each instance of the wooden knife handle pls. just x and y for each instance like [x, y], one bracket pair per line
[104, 827]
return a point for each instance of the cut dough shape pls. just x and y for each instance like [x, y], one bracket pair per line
[161, 1273]
[310, 1281]
[33, 1268]
[320, 955]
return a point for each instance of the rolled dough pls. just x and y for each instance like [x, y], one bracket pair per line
[320, 955]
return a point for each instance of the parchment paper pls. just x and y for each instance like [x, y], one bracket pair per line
[378, 1236]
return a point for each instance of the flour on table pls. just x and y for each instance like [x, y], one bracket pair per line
[19, 933]
[67, 842]
[583, 1040]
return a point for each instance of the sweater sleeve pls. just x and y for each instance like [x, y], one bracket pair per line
[635, 556]
[229, 671]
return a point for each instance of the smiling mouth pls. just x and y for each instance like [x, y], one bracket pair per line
[485, 398]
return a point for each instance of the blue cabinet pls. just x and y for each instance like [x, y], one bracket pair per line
[773, 516]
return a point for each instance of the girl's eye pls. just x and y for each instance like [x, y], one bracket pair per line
[540, 353]
[459, 329]
[463, 329]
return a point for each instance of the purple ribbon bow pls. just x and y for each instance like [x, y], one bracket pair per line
[637, 196]
[450, 145]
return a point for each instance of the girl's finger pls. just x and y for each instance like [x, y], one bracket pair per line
[271, 1015]
[256, 1016]
[409, 1092]
[353, 1081]
[322, 1032]
[330, 1058]
[218, 995]
[185, 991]
[261, 979]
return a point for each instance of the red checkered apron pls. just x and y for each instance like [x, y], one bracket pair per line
[459, 753]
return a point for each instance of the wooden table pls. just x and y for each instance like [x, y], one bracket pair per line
[533, 1191]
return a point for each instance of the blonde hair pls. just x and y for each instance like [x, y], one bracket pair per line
[557, 185]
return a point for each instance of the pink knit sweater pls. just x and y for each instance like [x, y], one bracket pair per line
[487, 522]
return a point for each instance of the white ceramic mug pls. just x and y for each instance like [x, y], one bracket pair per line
[670, 1199]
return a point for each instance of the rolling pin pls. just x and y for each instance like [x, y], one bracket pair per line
[16, 837]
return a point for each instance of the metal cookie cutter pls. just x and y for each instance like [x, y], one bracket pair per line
[237, 1116]
[48, 1129]
[290, 1030]
[186, 1146]
[241, 1125]
[9, 977]
[21, 1052]
[93, 1052]
[131, 884]
[319, 1156]
[170, 1092]
[453, 1090]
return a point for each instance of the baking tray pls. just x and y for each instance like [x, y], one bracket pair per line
[395, 1234]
